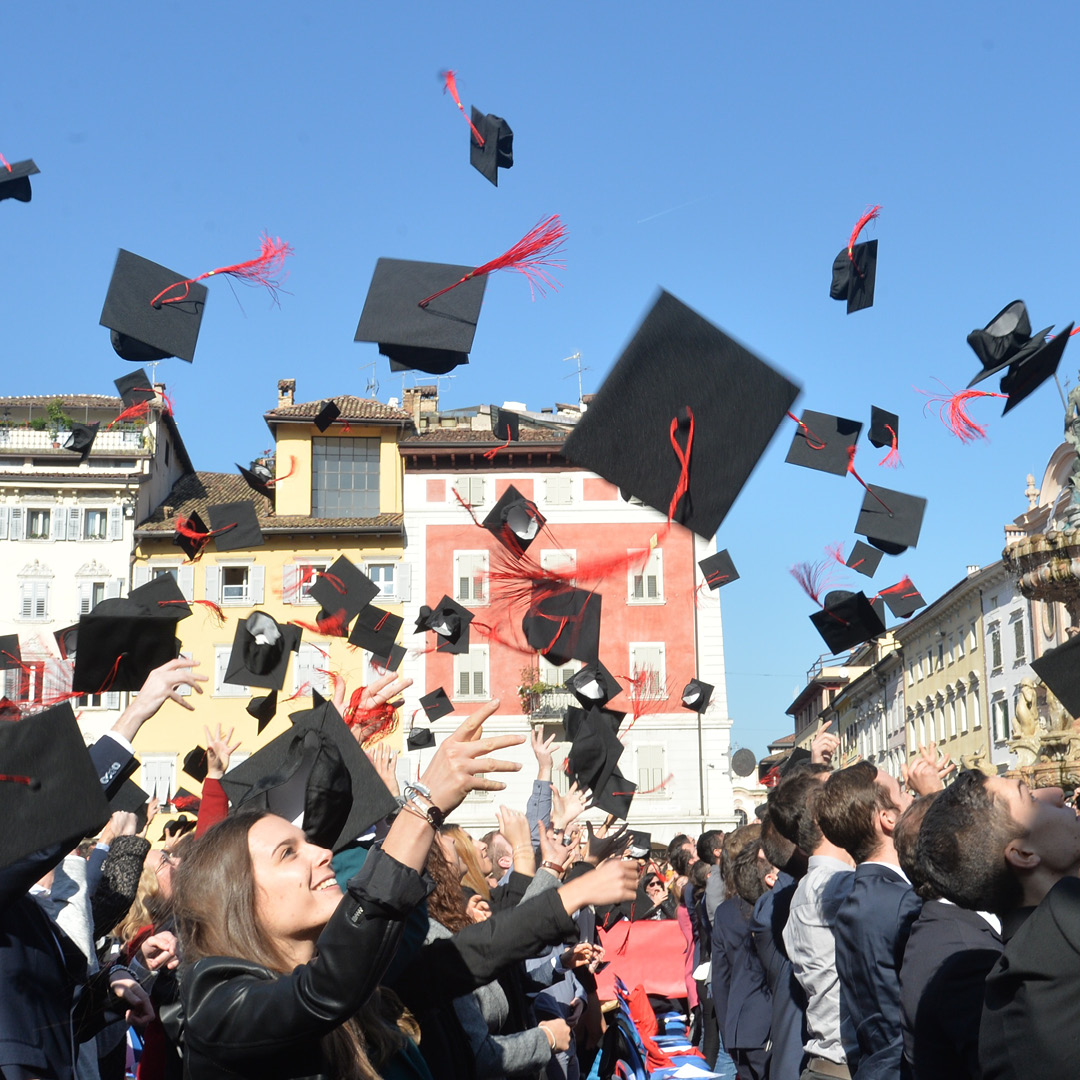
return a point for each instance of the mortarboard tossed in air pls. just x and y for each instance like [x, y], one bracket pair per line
[494, 149]
[177, 827]
[450, 623]
[343, 587]
[131, 799]
[696, 695]
[505, 425]
[259, 478]
[264, 709]
[640, 846]
[854, 271]
[9, 710]
[15, 180]
[719, 570]
[514, 520]
[563, 623]
[134, 388]
[191, 535]
[260, 652]
[890, 520]
[682, 418]
[10, 653]
[902, 599]
[615, 795]
[117, 652]
[50, 792]
[186, 800]
[885, 431]
[823, 442]
[864, 559]
[327, 415]
[593, 685]
[594, 752]
[195, 764]
[316, 775]
[573, 716]
[235, 526]
[81, 439]
[420, 738]
[67, 641]
[1059, 668]
[376, 630]
[436, 705]
[391, 661]
[847, 619]
[1005, 340]
[159, 598]
[1025, 377]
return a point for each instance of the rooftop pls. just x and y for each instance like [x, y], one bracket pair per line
[67, 401]
[352, 409]
[527, 436]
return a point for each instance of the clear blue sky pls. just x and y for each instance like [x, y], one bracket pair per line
[722, 151]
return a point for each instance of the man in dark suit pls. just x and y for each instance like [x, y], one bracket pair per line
[992, 844]
[858, 810]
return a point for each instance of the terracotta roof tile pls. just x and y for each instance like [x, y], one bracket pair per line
[526, 436]
[68, 401]
[352, 408]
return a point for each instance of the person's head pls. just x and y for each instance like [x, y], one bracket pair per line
[790, 805]
[699, 875]
[500, 851]
[779, 851]
[447, 903]
[709, 846]
[905, 840]
[678, 843]
[751, 873]
[735, 844]
[993, 844]
[165, 860]
[681, 861]
[858, 810]
[654, 888]
[474, 876]
[146, 903]
[450, 853]
[482, 857]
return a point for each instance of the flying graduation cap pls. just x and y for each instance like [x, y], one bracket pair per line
[81, 439]
[420, 738]
[847, 619]
[696, 695]
[326, 415]
[376, 630]
[719, 570]
[491, 145]
[343, 587]
[823, 442]
[593, 685]
[1059, 668]
[118, 651]
[563, 623]
[259, 478]
[263, 708]
[864, 559]
[854, 272]
[885, 431]
[505, 424]
[15, 179]
[450, 623]
[514, 520]
[436, 705]
[890, 520]
[902, 599]
[260, 652]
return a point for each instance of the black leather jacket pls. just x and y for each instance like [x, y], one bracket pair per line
[242, 1020]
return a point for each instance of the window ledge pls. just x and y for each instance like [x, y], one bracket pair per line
[659, 602]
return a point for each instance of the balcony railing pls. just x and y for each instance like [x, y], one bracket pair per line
[21, 439]
[549, 704]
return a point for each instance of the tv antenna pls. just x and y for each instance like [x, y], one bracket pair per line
[577, 358]
[372, 387]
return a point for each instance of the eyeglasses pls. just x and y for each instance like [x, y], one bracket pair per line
[167, 859]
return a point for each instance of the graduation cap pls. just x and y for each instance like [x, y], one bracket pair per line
[187, 538]
[573, 716]
[594, 752]
[823, 442]
[1006, 339]
[376, 629]
[497, 151]
[343, 587]
[420, 738]
[131, 799]
[678, 363]
[186, 800]
[195, 764]
[15, 180]
[315, 773]
[50, 792]
[327, 414]
[890, 520]
[847, 619]
[159, 597]
[615, 795]
[798, 755]
[640, 846]
[10, 653]
[81, 439]
[563, 623]
[505, 424]
[435, 338]
[1059, 668]
[9, 710]
[864, 559]
[258, 478]
[67, 641]
[719, 570]
[436, 705]
[391, 661]
[514, 520]
[178, 826]
[450, 623]
[1026, 376]
[118, 652]
[264, 709]
[902, 599]
[134, 389]
[260, 652]
[884, 427]
[593, 685]
[144, 331]
[235, 526]
[696, 695]
[854, 271]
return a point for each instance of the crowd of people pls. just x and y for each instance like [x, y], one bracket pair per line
[861, 928]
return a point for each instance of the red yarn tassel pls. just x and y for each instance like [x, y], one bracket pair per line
[334, 625]
[812, 440]
[373, 724]
[450, 80]
[264, 271]
[871, 215]
[284, 476]
[905, 588]
[142, 408]
[529, 256]
[851, 469]
[3, 161]
[683, 485]
[892, 459]
[489, 454]
[216, 613]
[952, 411]
[813, 578]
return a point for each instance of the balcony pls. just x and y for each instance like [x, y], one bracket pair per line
[22, 440]
[549, 704]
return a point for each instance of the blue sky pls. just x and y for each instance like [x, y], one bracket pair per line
[721, 151]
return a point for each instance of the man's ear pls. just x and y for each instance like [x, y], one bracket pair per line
[887, 820]
[770, 878]
[1021, 857]
[506, 862]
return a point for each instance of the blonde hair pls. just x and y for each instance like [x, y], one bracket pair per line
[139, 914]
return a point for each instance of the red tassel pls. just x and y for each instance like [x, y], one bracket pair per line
[450, 80]
[836, 553]
[263, 271]
[185, 527]
[684, 460]
[334, 625]
[186, 802]
[905, 588]
[216, 614]
[812, 440]
[851, 469]
[284, 476]
[374, 724]
[892, 458]
[334, 580]
[813, 578]
[3, 161]
[528, 256]
[142, 408]
[871, 215]
[952, 410]
[489, 454]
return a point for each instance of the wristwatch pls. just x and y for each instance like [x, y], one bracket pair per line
[420, 796]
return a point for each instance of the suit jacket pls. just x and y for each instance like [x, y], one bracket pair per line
[872, 928]
[788, 999]
[741, 996]
[1031, 1016]
[949, 954]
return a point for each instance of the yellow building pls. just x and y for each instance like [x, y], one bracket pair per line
[339, 492]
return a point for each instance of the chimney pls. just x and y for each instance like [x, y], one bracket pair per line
[159, 391]
[973, 570]
[286, 388]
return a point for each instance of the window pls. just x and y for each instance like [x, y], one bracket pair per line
[471, 674]
[344, 478]
[310, 669]
[25, 684]
[646, 577]
[940, 655]
[110, 700]
[470, 576]
[91, 593]
[952, 719]
[961, 703]
[234, 584]
[95, 524]
[999, 720]
[297, 579]
[952, 649]
[164, 571]
[38, 524]
[221, 665]
[34, 600]
[1018, 631]
[383, 576]
[929, 661]
[995, 648]
[470, 490]
[159, 776]
[959, 644]
[911, 673]
[974, 636]
[647, 669]
[558, 490]
[556, 676]
[650, 769]
[976, 717]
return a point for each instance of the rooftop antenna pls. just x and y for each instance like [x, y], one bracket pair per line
[373, 381]
[576, 357]
[438, 382]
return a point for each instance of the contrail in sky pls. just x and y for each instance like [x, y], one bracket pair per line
[671, 210]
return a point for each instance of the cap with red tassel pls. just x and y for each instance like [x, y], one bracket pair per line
[952, 411]
[449, 79]
[855, 268]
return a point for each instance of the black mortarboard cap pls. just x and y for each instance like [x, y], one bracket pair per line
[573, 716]
[118, 652]
[497, 151]
[9, 710]
[435, 338]
[183, 799]
[10, 653]
[81, 439]
[563, 623]
[798, 755]
[1006, 339]
[595, 751]
[505, 425]
[696, 695]
[257, 478]
[854, 276]
[343, 587]
[894, 526]
[719, 570]
[134, 388]
[195, 764]
[131, 799]
[677, 360]
[436, 705]
[1025, 377]
[260, 652]
[640, 845]
[142, 331]
[420, 738]
[593, 685]
[1060, 669]
[15, 180]
[615, 795]
[376, 630]
[67, 641]
[264, 709]
[450, 623]
[50, 793]
[846, 620]
[391, 661]
[318, 769]
[864, 559]
[822, 442]
[880, 422]
[159, 597]
[902, 599]
[327, 415]
[240, 523]
[178, 826]
[191, 548]
[514, 520]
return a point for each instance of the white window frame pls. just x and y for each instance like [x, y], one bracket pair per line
[961, 704]
[642, 566]
[238, 599]
[306, 664]
[48, 510]
[559, 489]
[658, 690]
[376, 570]
[292, 591]
[158, 775]
[104, 702]
[999, 720]
[461, 558]
[103, 511]
[33, 600]
[649, 765]
[476, 660]
[221, 665]
[1019, 637]
[471, 490]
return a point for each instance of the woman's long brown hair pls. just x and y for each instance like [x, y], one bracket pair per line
[446, 903]
[466, 849]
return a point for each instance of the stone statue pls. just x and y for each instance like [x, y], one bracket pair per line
[1026, 723]
[1070, 519]
[978, 762]
[1057, 718]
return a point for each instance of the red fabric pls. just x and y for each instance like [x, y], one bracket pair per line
[688, 967]
[650, 953]
[152, 1059]
[215, 805]
[641, 1011]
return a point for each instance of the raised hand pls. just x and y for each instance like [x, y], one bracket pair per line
[612, 882]
[542, 749]
[566, 809]
[162, 684]
[218, 752]
[122, 823]
[161, 951]
[824, 745]
[152, 808]
[385, 761]
[927, 772]
[604, 847]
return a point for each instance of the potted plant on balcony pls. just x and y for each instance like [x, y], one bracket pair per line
[57, 420]
[531, 690]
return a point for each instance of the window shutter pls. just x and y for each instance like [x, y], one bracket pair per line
[86, 596]
[185, 579]
[26, 600]
[140, 575]
[113, 588]
[212, 584]
[290, 575]
[73, 522]
[116, 523]
[221, 661]
[111, 699]
[404, 581]
[256, 583]
[18, 522]
[41, 601]
[3, 522]
[57, 527]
